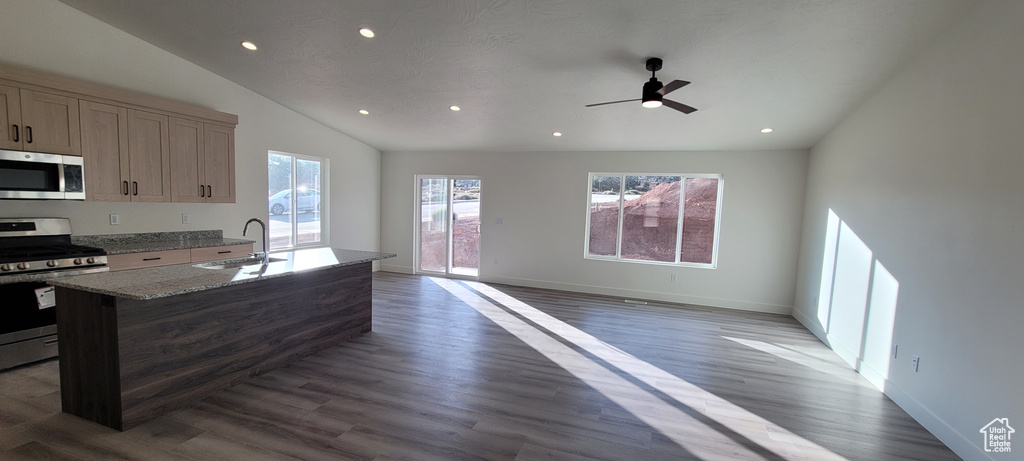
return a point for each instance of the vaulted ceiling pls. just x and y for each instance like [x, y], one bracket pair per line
[523, 69]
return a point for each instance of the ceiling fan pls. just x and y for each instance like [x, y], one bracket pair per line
[654, 91]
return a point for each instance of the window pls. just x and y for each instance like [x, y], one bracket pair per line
[658, 218]
[298, 192]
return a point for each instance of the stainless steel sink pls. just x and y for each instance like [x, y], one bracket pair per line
[235, 263]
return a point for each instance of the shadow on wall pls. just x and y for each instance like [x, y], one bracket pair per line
[856, 303]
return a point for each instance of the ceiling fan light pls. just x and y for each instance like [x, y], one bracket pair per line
[654, 103]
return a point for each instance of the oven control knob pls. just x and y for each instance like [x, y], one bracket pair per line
[90, 260]
[22, 266]
[51, 263]
[5, 267]
[77, 261]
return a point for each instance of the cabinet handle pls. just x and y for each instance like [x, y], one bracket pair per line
[209, 191]
[28, 134]
[16, 137]
[151, 259]
[135, 185]
[202, 191]
[224, 252]
[50, 342]
[125, 187]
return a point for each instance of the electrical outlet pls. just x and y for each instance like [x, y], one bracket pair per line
[673, 278]
[184, 218]
[114, 220]
[914, 362]
[895, 350]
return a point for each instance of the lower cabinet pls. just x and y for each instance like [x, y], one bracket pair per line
[127, 261]
[148, 259]
[221, 252]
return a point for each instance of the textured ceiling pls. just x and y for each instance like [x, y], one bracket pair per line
[522, 69]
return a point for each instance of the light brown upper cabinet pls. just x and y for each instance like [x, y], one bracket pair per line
[105, 152]
[10, 118]
[149, 159]
[126, 154]
[219, 166]
[202, 162]
[136, 147]
[37, 121]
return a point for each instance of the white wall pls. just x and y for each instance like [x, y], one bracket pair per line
[926, 180]
[49, 36]
[542, 198]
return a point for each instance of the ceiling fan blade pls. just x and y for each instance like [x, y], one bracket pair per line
[678, 106]
[613, 102]
[672, 86]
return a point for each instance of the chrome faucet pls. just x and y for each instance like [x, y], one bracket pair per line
[263, 226]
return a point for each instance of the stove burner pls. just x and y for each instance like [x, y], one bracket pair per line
[42, 248]
[18, 254]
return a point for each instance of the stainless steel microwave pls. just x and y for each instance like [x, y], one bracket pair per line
[30, 175]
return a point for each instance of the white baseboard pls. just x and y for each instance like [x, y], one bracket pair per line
[959, 443]
[398, 269]
[810, 324]
[623, 292]
[643, 295]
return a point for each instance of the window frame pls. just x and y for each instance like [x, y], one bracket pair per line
[324, 189]
[679, 225]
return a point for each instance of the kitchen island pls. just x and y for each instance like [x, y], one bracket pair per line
[137, 344]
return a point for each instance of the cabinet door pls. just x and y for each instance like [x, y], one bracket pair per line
[219, 164]
[51, 123]
[221, 252]
[105, 151]
[11, 129]
[127, 261]
[148, 157]
[187, 143]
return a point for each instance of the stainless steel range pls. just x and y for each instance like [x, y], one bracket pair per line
[33, 250]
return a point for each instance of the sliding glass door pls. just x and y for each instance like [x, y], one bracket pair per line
[448, 237]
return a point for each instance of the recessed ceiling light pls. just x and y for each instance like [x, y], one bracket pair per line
[556, 134]
[364, 112]
[455, 108]
[366, 32]
[766, 130]
[249, 45]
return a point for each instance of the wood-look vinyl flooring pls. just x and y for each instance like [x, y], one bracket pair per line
[460, 370]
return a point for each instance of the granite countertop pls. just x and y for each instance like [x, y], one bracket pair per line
[115, 244]
[158, 282]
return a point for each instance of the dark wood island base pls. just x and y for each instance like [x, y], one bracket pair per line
[125, 361]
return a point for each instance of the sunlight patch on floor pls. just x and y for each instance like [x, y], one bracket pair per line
[735, 428]
[814, 363]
